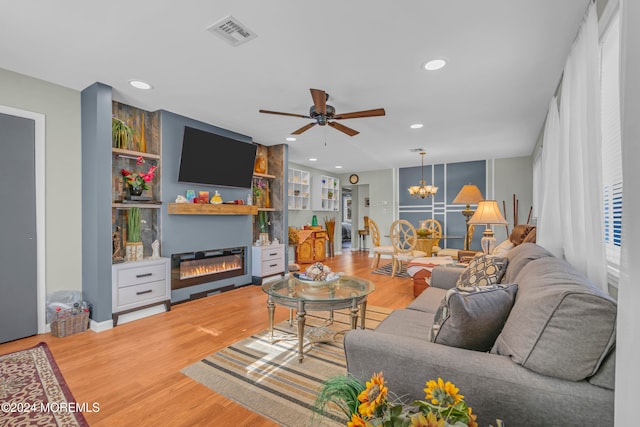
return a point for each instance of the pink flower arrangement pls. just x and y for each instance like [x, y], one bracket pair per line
[139, 179]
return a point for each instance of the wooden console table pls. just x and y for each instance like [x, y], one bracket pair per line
[311, 246]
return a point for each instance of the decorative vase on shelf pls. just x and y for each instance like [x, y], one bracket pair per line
[143, 139]
[134, 251]
[135, 190]
[260, 165]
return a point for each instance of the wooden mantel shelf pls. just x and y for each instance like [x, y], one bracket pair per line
[209, 209]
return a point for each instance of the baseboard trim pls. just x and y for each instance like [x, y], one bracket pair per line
[100, 326]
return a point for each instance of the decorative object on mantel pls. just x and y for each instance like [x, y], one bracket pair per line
[138, 182]
[181, 199]
[134, 248]
[121, 133]
[216, 199]
[423, 190]
[373, 404]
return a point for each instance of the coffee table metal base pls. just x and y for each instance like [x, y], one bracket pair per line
[358, 307]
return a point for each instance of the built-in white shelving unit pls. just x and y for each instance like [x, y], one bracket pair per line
[325, 193]
[299, 189]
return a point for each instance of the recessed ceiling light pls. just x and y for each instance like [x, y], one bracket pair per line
[434, 64]
[138, 84]
[291, 138]
[338, 167]
[416, 126]
[313, 159]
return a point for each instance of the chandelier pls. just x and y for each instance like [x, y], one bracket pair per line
[422, 191]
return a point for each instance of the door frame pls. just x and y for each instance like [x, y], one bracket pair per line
[39, 166]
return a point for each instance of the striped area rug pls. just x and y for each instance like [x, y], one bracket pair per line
[386, 270]
[268, 379]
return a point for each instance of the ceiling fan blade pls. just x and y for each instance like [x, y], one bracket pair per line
[359, 114]
[303, 129]
[284, 114]
[319, 100]
[343, 128]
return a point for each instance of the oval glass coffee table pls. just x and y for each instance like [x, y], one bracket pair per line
[346, 292]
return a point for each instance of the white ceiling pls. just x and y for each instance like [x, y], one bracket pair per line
[505, 59]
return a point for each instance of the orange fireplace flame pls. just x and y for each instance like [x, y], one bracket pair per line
[213, 267]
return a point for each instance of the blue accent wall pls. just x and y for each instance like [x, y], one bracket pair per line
[449, 178]
[186, 233]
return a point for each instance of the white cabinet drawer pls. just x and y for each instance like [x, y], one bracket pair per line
[272, 266]
[141, 274]
[142, 293]
[272, 252]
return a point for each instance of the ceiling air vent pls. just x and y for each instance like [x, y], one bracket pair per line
[232, 31]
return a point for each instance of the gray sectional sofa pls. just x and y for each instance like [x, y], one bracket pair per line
[552, 363]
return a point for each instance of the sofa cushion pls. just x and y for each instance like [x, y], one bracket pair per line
[483, 270]
[472, 317]
[407, 323]
[428, 301]
[560, 325]
[520, 256]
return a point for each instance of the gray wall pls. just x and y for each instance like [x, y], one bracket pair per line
[186, 233]
[512, 176]
[63, 195]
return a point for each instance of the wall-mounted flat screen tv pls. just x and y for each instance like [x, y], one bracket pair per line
[211, 159]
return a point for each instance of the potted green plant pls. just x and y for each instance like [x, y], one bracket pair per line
[121, 133]
[134, 248]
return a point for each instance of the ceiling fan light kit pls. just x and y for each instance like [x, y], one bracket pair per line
[325, 114]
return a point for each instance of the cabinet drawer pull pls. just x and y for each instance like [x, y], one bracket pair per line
[273, 254]
[144, 275]
[148, 291]
[273, 265]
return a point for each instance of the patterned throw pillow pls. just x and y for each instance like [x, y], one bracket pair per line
[484, 270]
[472, 318]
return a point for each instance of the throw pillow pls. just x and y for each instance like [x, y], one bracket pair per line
[472, 317]
[502, 249]
[484, 270]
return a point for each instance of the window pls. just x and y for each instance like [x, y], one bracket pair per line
[611, 145]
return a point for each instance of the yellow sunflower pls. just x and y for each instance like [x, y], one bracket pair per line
[373, 395]
[431, 420]
[441, 393]
[357, 421]
[472, 418]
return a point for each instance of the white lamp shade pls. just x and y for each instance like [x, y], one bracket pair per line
[487, 212]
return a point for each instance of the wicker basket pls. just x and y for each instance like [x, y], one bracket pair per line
[70, 325]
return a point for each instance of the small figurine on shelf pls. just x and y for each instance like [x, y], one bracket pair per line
[216, 199]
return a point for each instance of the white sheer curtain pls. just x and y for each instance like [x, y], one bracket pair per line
[575, 229]
[549, 225]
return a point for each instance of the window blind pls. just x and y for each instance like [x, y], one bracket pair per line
[611, 144]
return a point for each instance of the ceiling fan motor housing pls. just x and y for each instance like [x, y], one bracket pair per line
[322, 118]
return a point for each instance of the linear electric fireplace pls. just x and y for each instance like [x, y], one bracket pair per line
[194, 268]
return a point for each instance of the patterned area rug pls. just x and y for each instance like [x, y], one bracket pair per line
[268, 379]
[386, 270]
[33, 391]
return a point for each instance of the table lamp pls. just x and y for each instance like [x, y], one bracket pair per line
[487, 213]
[469, 194]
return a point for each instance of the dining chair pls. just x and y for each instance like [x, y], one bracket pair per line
[377, 249]
[436, 234]
[403, 238]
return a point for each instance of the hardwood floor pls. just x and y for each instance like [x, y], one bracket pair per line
[133, 371]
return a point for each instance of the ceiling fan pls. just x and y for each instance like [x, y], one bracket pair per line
[324, 114]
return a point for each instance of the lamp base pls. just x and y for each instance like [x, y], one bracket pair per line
[468, 213]
[488, 241]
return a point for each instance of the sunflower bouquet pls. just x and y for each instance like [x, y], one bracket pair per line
[372, 405]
